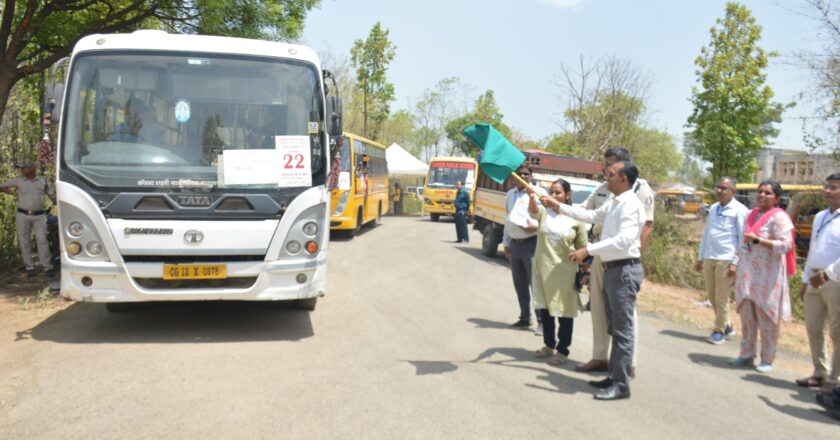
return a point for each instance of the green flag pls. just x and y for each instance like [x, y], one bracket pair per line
[499, 158]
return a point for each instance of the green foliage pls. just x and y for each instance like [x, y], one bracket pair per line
[691, 173]
[733, 114]
[269, 20]
[655, 153]
[431, 113]
[561, 143]
[487, 112]
[399, 128]
[671, 252]
[370, 58]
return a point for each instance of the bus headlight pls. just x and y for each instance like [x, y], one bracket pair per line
[310, 229]
[342, 203]
[75, 229]
[293, 247]
[94, 248]
[74, 248]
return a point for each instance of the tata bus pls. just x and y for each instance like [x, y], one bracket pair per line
[193, 168]
[439, 190]
[361, 196]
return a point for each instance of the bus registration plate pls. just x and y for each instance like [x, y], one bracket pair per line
[194, 271]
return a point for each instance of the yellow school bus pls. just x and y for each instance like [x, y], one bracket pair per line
[439, 191]
[681, 201]
[361, 195]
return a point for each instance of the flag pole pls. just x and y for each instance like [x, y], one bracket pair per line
[520, 179]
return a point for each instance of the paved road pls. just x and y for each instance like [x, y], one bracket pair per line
[411, 342]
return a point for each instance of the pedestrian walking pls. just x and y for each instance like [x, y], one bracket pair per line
[30, 190]
[820, 294]
[619, 248]
[556, 298]
[462, 211]
[765, 260]
[718, 254]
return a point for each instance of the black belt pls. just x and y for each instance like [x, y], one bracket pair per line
[523, 240]
[31, 212]
[619, 263]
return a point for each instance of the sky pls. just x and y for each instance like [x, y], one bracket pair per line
[516, 48]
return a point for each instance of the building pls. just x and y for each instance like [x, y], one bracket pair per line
[793, 166]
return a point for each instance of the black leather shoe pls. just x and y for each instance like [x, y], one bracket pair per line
[521, 325]
[606, 383]
[614, 392]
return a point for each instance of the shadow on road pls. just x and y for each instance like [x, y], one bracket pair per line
[433, 367]
[709, 360]
[682, 335]
[521, 358]
[175, 322]
[476, 252]
[815, 414]
[486, 323]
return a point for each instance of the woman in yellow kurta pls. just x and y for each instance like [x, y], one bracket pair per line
[554, 292]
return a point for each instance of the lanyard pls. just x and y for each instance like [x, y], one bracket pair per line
[825, 222]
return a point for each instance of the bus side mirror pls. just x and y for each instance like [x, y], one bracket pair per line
[335, 107]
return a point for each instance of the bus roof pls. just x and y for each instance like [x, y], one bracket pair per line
[157, 40]
[785, 187]
[453, 159]
[365, 140]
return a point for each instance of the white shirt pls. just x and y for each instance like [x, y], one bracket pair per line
[825, 241]
[723, 232]
[516, 206]
[602, 195]
[833, 271]
[623, 218]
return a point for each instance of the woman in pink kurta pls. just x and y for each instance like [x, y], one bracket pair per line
[761, 277]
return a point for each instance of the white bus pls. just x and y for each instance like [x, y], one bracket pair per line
[193, 168]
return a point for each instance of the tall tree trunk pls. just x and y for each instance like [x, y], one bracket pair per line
[365, 109]
[7, 82]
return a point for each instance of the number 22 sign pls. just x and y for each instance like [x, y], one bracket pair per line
[296, 168]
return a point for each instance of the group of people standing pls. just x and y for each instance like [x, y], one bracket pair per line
[551, 255]
[753, 250]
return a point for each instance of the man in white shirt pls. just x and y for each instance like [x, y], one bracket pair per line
[822, 293]
[520, 242]
[601, 195]
[619, 249]
[718, 254]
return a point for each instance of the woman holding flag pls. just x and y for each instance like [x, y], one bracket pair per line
[554, 292]
[765, 260]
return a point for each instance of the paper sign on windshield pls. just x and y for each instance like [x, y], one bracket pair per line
[251, 167]
[295, 167]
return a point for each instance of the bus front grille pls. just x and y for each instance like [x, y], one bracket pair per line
[227, 283]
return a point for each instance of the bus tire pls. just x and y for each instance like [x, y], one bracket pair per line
[307, 303]
[489, 240]
[434, 217]
[118, 307]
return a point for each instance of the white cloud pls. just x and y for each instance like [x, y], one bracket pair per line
[562, 4]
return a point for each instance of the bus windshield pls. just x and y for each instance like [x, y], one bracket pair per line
[445, 174]
[141, 120]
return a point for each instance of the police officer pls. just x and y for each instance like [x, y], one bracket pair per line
[30, 190]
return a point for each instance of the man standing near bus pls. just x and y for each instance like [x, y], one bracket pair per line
[462, 210]
[719, 253]
[601, 195]
[397, 199]
[520, 242]
[30, 191]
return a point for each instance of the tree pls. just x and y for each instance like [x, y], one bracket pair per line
[399, 128]
[690, 172]
[823, 130]
[733, 115]
[655, 153]
[604, 103]
[431, 113]
[370, 58]
[485, 111]
[34, 35]
[560, 143]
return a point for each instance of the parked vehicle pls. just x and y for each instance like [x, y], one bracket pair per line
[490, 196]
[439, 193]
[361, 196]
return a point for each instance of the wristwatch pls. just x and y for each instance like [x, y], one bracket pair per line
[756, 240]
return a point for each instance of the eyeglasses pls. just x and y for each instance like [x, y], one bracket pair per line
[722, 188]
[831, 187]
